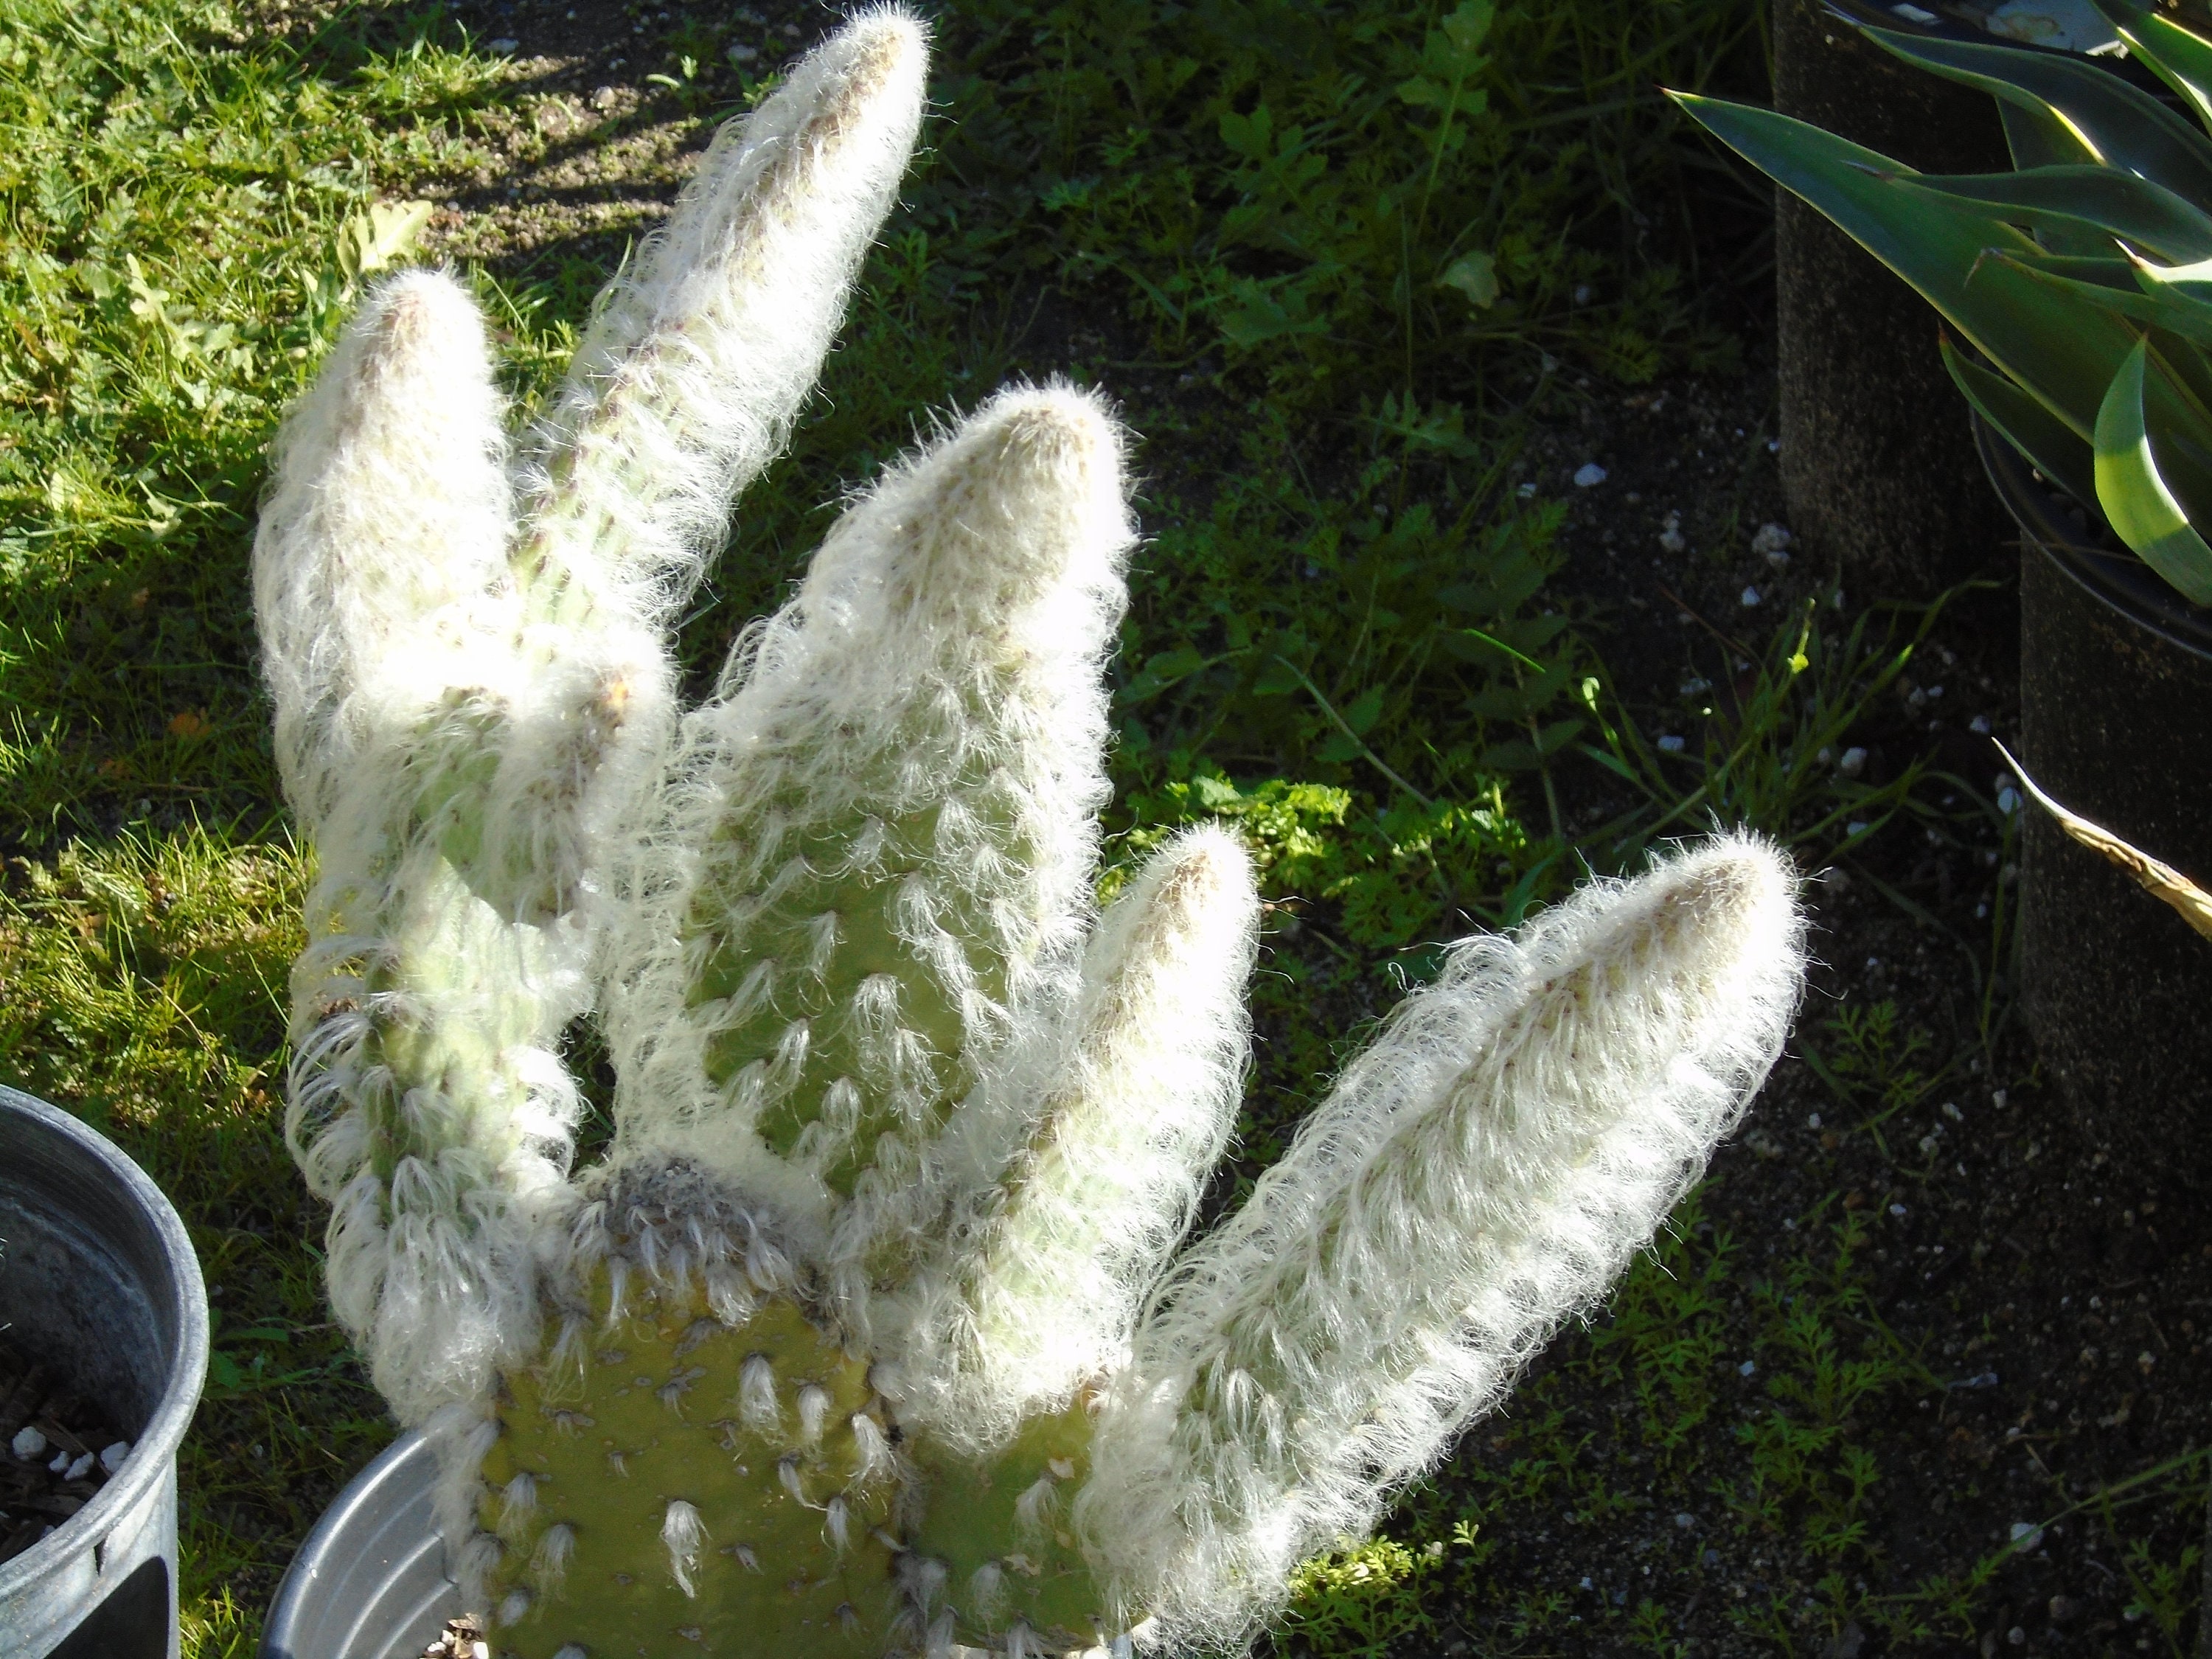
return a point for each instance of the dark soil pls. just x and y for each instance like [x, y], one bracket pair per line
[2054, 1298]
[59, 1469]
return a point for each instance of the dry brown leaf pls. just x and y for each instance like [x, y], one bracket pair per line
[2160, 880]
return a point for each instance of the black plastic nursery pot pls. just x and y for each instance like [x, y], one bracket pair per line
[370, 1581]
[1879, 471]
[2116, 698]
[99, 1281]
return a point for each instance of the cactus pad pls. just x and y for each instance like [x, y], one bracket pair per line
[758, 1429]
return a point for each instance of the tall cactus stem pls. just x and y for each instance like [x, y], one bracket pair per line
[1477, 1175]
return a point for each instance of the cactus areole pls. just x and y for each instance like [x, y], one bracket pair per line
[877, 1330]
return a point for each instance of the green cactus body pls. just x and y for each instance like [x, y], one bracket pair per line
[1000, 1526]
[878, 1330]
[666, 1405]
[430, 1055]
[814, 1510]
[801, 936]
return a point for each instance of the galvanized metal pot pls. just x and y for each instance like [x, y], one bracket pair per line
[370, 1581]
[98, 1278]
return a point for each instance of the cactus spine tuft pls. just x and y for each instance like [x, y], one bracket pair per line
[875, 1332]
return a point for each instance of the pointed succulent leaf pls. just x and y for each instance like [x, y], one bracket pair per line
[2177, 54]
[2181, 296]
[2038, 139]
[2133, 493]
[2106, 278]
[2114, 285]
[2115, 123]
[2057, 345]
[2104, 199]
[2026, 424]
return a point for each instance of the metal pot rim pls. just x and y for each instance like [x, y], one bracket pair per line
[2123, 584]
[156, 1447]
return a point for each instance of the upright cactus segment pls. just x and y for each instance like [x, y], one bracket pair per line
[870, 1334]
[470, 709]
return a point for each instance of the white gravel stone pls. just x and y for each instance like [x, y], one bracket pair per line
[1589, 475]
[28, 1443]
[80, 1468]
[111, 1457]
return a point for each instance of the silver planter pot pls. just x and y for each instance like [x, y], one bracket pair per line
[370, 1581]
[98, 1279]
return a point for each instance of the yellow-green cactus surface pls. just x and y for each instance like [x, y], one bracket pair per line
[758, 1429]
[804, 1520]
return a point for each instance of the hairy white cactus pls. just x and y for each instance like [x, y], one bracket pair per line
[876, 1331]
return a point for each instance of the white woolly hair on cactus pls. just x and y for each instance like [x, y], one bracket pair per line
[416, 644]
[1482, 1172]
[461, 1431]
[1038, 1285]
[940, 663]
[908, 1134]
[390, 504]
[698, 357]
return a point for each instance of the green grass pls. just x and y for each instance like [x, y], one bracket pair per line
[1335, 260]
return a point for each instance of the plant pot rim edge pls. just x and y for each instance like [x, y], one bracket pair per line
[164, 1432]
[2125, 586]
[388, 1472]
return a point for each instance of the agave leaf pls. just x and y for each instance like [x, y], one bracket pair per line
[2098, 198]
[2038, 138]
[2180, 389]
[2184, 362]
[2100, 274]
[2179, 57]
[2111, 283]
[2025, 423]
[2133, 493]
[2044, 140]
[2053, 341]
[2119, 124]
[2188, 287]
